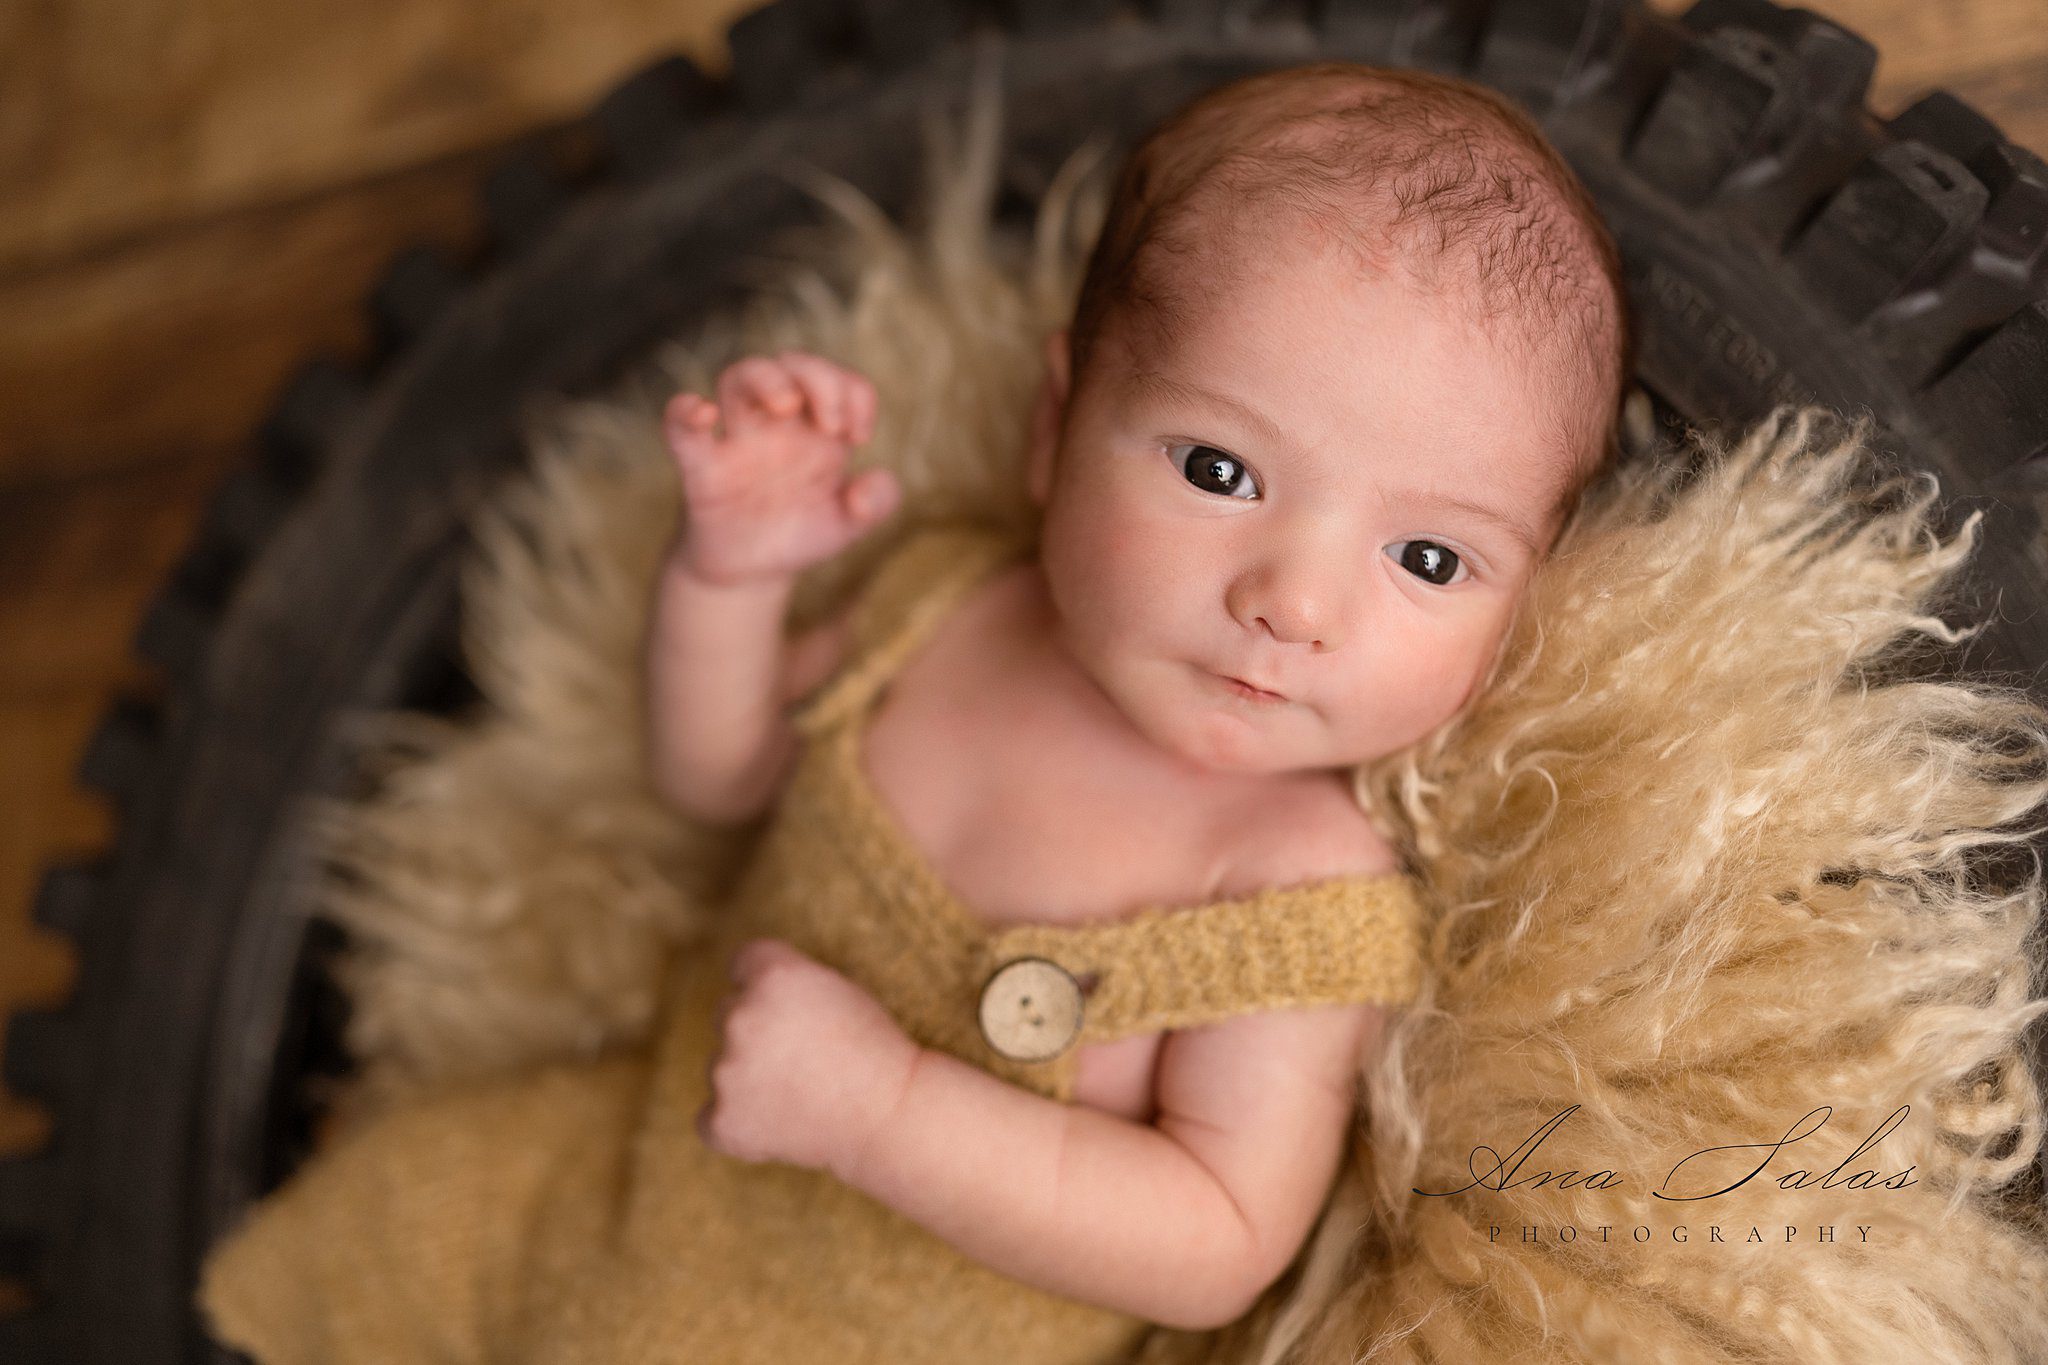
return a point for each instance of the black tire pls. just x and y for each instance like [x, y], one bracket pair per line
[1782, 243]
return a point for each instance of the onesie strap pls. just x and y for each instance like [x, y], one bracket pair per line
[1325, 942]
[903, 597]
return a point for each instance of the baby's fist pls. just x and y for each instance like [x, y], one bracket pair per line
[808, 1063]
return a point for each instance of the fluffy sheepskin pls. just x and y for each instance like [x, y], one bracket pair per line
[1707, 857]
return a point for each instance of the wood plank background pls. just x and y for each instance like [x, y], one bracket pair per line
[198, 194]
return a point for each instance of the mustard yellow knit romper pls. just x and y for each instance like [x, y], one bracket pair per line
[572, 1215]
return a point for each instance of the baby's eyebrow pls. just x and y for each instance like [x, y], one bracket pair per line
[1188, 393]
[1521, 533]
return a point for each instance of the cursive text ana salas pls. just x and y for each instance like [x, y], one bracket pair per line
[1492, 1171]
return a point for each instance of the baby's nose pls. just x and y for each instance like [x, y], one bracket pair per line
[1301, 625]
[1295, 603]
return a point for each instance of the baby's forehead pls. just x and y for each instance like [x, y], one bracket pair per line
[1208, 283]
[1216, 249]
[1203, 283]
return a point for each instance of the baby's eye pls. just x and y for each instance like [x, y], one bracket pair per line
[1214, 471]
[1427, 560]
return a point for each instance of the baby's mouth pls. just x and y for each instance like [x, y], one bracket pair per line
[1238, 687]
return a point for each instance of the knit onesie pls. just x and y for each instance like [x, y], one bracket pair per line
[571, 1215]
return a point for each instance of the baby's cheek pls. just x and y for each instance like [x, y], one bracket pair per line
[1420, 696]
[1381, 703]
[1110, 576]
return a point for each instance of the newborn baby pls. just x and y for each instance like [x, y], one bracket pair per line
[1348, 352]
[1034, 1019]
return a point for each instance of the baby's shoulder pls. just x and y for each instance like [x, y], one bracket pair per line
[1313, 828]
[928, 568]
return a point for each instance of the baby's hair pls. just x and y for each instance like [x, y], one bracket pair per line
[1402, 168]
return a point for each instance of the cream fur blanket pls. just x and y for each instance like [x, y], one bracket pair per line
[1700, 861]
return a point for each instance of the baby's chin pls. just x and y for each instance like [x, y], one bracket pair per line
[1193, 717]
[1222, 736]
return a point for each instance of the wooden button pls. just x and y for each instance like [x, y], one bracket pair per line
[1031, 1009]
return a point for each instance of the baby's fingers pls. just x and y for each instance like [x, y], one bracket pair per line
[824, 385]
[688, 422]
[862, 502]
[869, 497]
[860, 403]
[688, 414]
[758, 384]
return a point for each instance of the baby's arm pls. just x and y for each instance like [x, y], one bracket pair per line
[1184, 1221]
[762, 499]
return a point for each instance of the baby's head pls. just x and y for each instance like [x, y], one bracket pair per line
[1350, 348]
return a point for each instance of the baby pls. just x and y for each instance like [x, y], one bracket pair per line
[1348, 352]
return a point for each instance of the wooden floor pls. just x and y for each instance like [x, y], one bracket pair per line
[199, 194]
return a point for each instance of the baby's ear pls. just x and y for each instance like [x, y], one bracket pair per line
[1047, 415]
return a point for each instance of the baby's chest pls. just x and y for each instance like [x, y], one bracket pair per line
[1031, 820]
[1027, 819]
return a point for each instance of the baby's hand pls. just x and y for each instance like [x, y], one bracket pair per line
[765, 496]
[808, 1063]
